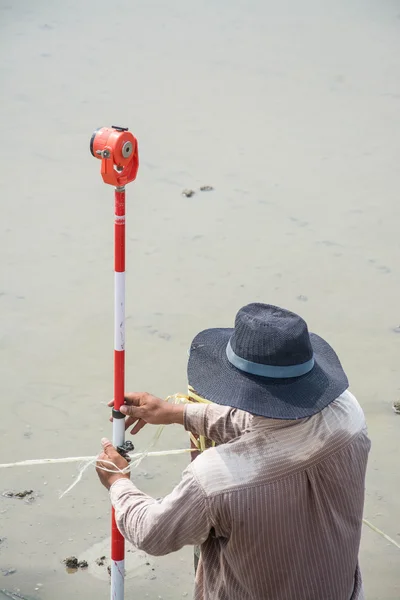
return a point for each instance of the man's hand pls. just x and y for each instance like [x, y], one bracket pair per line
[142, 408]
[110, 455]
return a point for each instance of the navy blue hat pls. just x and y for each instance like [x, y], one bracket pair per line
[268, 365]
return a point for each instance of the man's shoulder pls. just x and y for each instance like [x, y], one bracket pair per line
[262, 457]
[344, 415]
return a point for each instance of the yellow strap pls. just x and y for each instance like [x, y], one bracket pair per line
[196, 397]
[202, 443]
[194, 440]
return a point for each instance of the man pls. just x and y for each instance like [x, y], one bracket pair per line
[277, 505]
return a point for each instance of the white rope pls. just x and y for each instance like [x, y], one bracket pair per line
[73, 459]
[132, 465]
[91, 460]
[389, 539]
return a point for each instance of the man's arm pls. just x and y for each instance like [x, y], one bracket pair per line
[218, 423]
[161, 527]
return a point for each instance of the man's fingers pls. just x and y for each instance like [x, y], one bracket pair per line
[129, 421]
[109, 450]
[139, 425]
[135, 398]
[131, 399]
[132, 411]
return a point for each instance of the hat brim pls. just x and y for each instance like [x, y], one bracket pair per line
[212, 376]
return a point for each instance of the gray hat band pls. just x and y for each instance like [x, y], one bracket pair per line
[272, 371]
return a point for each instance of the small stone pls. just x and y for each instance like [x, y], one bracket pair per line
[18, 494]
[302, 298]
[71, 562]
[23, 494]
[206, 188]
[396, 407]
[83, 564]
[396, 329]
[188, 193]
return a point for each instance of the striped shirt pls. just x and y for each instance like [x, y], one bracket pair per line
[276, 506]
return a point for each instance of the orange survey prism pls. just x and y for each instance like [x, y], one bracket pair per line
[117, 149]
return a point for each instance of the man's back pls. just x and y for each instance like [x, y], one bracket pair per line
[276, 507]
[285, 502]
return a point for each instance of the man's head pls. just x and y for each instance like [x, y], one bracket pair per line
[268, 365]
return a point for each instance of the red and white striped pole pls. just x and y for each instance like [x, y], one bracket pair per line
[117, 540]
[118, 151]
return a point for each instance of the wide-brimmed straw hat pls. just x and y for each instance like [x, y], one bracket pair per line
[268, 365]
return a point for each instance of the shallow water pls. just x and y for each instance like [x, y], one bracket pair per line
[290, 110]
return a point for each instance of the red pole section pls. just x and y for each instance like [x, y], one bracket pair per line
[117, 149]
[117, 540]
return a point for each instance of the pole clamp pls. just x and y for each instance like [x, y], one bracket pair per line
[116, 414]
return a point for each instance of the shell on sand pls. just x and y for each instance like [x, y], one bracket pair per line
[396, 407]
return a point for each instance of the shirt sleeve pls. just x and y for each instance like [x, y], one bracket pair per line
[218, 423]
[159, 527]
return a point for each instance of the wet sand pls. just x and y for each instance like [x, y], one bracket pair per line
[291, 111]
